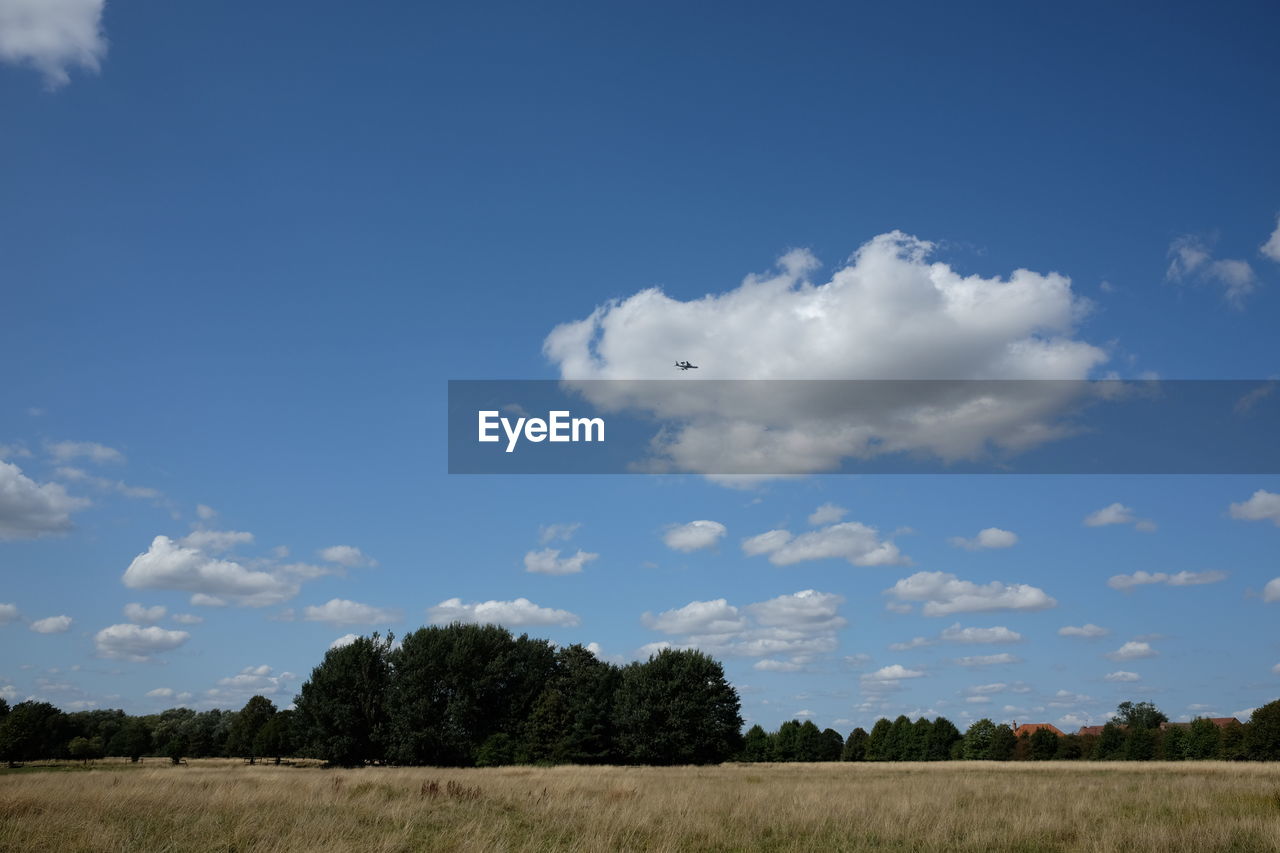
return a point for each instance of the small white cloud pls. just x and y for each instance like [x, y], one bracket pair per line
[770, 665]
[1271, 248]
[215, 541]
[697, 617]
[1122, 677]
[346, 555]
[29, 509]
[1262, 506]
[1133, 650]
[135, 643]
[53, 36]
[944, 594]
[551, 532]
[997, 634]
[344, 640]
[341, 611]
[694, 536]
[893, 672]
[989, 538]
[205, 513]
[141, 615]
[68, 451]
[1087, 630]
[9, 613]
[1118, 513]
[161, 693]
[988, 660]
[1192, 260]
[828, 513]
[187, 619]
[1271, 592]
[515, 613]
[1141, 578]
[549, 562]
[51, 625]
[857, 543]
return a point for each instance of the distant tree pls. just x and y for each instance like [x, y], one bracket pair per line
[855, 746]
[4, 709]
[833, 745]
[1070, 748]
[785, 742]
[977, 740]
[277, 738]
[943, 735]
[1263, 739]
[1044, 745]
[1231, 745]
[899, 741]
[85, 749]
[342, 712]
[809, 743]
[588, 685]
[176, 748]
[498, 750]
[677, 708]
[132, 741]
[917, 743]
[1022, 747]
[755, 745]
[249, 721]
[1143, 715]
[1111, 743]
[1172, 742]
[32, 730]
[1202, 739]
[1003, 744]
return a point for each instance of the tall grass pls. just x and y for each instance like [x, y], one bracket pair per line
[223, 805]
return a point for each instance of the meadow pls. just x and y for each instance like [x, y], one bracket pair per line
[221, 804]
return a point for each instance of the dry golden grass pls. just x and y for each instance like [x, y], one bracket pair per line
[224, 805]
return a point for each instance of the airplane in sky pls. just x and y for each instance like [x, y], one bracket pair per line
[684, 365]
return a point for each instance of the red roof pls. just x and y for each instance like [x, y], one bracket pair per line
[1031, 728]
[1090, 730]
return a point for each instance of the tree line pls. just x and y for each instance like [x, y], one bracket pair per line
[476, 695]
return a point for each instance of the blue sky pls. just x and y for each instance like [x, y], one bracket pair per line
[243, 250]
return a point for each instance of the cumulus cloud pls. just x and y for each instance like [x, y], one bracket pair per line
[1271, 592]
[1271, 248]
[991, 537]
[1122, 677]
[187, 619]
[1140, 578]
[51, 624]
[77, 475]
[697, 617]
[135, 643]
[1261, 506]
[160, 693]
[693, 536]
[341, 611]
[549, 562]
[958, 634]
[141, 615]
[212, 581]
[771, 665]
[1118, 513]
[69, 451]
[1191, 260]
[216, 541]
[857, 543]
[828, 513]
[1088, 630]
[888, 314]
[1133, 650]
[891, 674]
[261, 680]
[9, 613]
[344, 640]
[53, 36]
[944, 594]
[29, 509]
[347, 556]
[988, 660]
[517, 613]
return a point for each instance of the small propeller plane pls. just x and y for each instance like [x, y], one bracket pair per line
[684, 365]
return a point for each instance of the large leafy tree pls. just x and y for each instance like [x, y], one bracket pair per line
[276, 737]
[255, 714]
[1140, 715]
[1044, 745]
[755, 745]
[855, 746]
[833, 745]
[677, 708]
[942, 736]
[342, 713]
[132, 741]
[32, 730]
[977, 740]
[1263, 738]
[572, 719]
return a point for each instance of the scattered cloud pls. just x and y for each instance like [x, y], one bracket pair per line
[344, 640]
[849, 540]
[891, 674]
[771, 665]
[140, 615]
[1088, 630]
[549, 562]
[347, 556]
[341, 611]
[989, 538]
[828, 513]
[1271, 592]
[29, 509]
[51, 624]
[694, 536]
[187, 619]
[53, 37]
[1271, 248]
[161, 693]
[957, 634]
[106, 484]
[9, 613]
[1122, 677]
[216, 541]
[259, 680]
[697, 617]
[552, 532]
[988, 660]
[212, 581]
[1261, 506]
[135, 643]
[1133, 650]
[1140, 578]
[944, 594]
[69, 451]
[1191, 260]
[1118, 513]
[517, 613]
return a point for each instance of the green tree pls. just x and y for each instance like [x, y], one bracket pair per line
[1111, 743]
[677, 708]
[176, 748]
[277, 738]
[1263, 740]
[1143, 715]
[132, 741]
[571, 720]
[342, 712]
[84, 749]
[498, 750]
[878, 740]
[1172, 744]
[833, 745]
[1202, 739]
[809, 745]
[255, 714]
[756, 745]
[1044, 745]
[942, 736]
[855, 746]
[32, 730]
[1003, 744]
[1231, 745]
[917, 744]
[898, 746]
[1070, 748]
[977, 739]
[786, 742]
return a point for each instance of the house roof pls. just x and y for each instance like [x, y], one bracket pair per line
[1032, 728]
[1090, 730]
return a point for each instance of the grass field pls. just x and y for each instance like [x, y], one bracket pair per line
[225, 805]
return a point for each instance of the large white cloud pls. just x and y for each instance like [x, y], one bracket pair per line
[549, 562]
[29, 509]
[693, 536]
[944, 594]
[988, 538]
[1261, 506]
[847, 540]
[698, 617]
[135, 643]
[170, 565]
[1184, 578]
[53, 36]
[515, 613]
[889, 314]
[341, 612]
